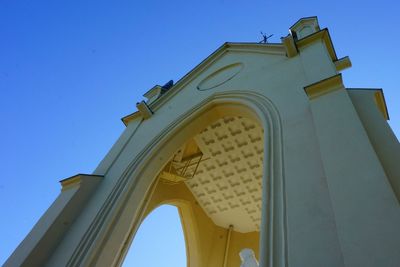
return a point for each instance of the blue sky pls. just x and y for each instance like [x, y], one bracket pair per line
[69, 70]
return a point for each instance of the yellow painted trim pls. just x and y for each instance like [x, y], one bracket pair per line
[324, 87]
[70, 182]
[317, 36]
[131, 117]
[144, 109]
[342, 63]
[290, 46]
[381, 103]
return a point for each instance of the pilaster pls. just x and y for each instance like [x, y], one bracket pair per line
[366, 210]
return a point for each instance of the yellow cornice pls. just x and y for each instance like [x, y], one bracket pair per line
[381, 103]
[342, 63]
[317, 36]
[324, 87]
[71, 181]
[131, 117]
[379, 99]
[290, 46]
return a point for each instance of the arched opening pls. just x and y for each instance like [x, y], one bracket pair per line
[215, 180]
[159, 241]
[135, 192]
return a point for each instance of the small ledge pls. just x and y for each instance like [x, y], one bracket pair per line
[379, 98]
[324, 87]
[78, 180]
[381, 103]
[290, 46]
[131, 117]
[342, 63]
[144, 110]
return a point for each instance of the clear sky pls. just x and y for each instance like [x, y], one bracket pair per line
[69, 70]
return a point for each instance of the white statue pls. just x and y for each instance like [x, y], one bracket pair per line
[248, 258]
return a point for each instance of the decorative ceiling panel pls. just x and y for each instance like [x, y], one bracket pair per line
[227, 182]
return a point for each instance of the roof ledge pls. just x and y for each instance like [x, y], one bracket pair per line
[144, 109]
[324, 87]
[131, 117]
[80, 180]
[290, 46]
[342, 63]
[379, 99]
[381, 103]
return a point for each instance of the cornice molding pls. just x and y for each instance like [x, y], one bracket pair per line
[322, 35]
[381, 103]
[342, 63]
[324, 87]
[290, 46]
[379, 99]
[77, 180]
[131, 117]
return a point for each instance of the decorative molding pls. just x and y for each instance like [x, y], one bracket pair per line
[381, 103]
[144, 110]
[131, 117]
[70, 182]
[342, 63]
[220, 76]
[269, 49]
[322, 35]
[379, 99]
[290, 46]
[324, 87]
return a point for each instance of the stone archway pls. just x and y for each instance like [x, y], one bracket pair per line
[215, 181]
[321, 142]
[134, 189]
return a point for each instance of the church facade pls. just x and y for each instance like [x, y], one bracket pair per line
[262, 148]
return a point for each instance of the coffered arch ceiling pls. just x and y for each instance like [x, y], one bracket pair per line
[222, 167]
